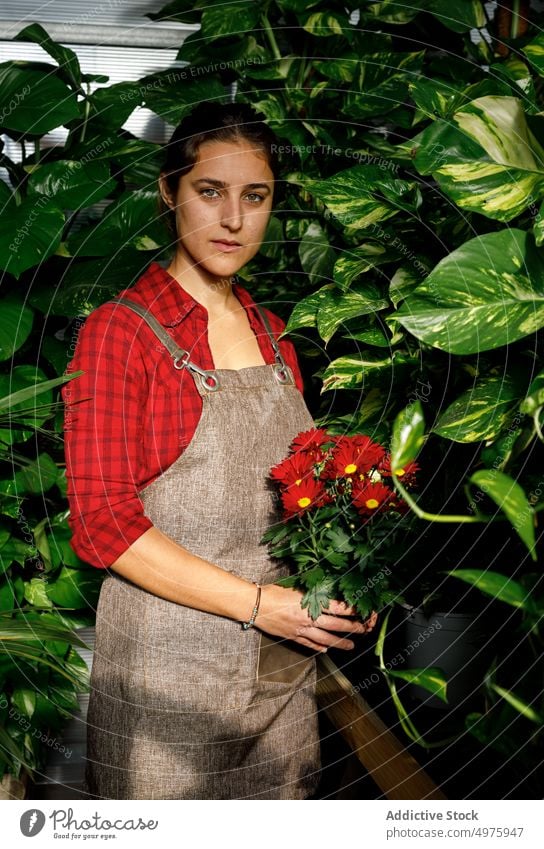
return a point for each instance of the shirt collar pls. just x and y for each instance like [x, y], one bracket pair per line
[169, 302]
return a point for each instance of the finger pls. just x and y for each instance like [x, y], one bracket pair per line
[311, 645]
[340, 608]
[325, 638]
[334, 623]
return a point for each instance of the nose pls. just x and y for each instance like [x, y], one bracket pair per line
[231, 213]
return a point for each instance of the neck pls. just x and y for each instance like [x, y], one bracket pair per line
[214, 293]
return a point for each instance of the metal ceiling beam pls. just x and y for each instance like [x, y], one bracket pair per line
[152, 35]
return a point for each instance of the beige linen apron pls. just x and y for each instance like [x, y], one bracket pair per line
[186, 704]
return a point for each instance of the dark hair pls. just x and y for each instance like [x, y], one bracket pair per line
[214, 122]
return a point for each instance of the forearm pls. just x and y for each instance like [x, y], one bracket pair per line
[163, 567]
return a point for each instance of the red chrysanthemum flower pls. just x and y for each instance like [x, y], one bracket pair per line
[406, 474]
[293, 470]
[368, 498]
[299, 498]
[352, 457]
[311, 441]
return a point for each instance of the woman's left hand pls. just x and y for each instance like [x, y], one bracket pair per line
[371, 621]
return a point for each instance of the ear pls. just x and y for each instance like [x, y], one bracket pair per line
[165, 192]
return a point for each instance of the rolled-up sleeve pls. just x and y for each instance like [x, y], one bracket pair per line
[103, 439]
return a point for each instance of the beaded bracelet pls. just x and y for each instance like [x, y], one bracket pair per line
[251, 621]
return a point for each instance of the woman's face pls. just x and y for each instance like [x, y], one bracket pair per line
[225, 197]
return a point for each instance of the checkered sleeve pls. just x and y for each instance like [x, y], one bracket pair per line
[103, 438]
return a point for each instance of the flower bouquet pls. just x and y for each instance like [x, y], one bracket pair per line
[341, 520]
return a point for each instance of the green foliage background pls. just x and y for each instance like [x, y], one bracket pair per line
[406, 255]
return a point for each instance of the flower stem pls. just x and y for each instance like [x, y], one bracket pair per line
[432, 517]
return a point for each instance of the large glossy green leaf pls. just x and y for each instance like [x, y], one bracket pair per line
[68, 62]
[185, 11]
[88, 283]
[382, 83]
[224, 19]
[392, 12]
[129, 222]
[459, 15]
[490, 162]
[487, 293]
[35, 477]
[71, 184]
[111, 106]
[481, 412]
[440, 98]
[33, 100]
[328, 308]
[15, 326]
[350, 372]
[364, 195]
[495, 585]
[338, 307]
[408, 435]
[325, 23]
[511, 499]
[351, 264]
[29, 233]
[305, 312]
[73, 588]
[316, 255]
[173, 94]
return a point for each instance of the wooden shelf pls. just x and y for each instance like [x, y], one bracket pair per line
[395, 771]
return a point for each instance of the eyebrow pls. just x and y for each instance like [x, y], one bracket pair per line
[221, 185]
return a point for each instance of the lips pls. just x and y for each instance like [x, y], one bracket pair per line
[226, 246]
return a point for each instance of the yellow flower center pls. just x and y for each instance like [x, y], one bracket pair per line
[303, 502]
[298, 481]
[350, 468]
[399, 472]
[371, 503]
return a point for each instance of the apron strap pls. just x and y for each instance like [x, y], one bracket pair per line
[179, 355]
[281, 369]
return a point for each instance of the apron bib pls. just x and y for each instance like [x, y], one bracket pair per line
[185, 704]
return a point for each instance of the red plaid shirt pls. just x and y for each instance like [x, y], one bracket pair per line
[131, 414]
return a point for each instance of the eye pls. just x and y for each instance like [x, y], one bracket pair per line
[202, 192]
[255, 195]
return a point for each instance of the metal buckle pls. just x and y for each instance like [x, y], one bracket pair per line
[183, 361]
[184, 358]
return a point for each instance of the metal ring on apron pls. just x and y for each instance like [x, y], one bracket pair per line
[282, 373]
[203, 374]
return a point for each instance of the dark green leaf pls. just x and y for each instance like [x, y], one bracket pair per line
[487, 293]
[34, 101]
[511, 499]
[481, 412]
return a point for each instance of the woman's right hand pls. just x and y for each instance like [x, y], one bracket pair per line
[281, 615]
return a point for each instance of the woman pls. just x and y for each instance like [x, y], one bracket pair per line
[203, 677]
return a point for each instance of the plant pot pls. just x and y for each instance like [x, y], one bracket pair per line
[455, 642]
